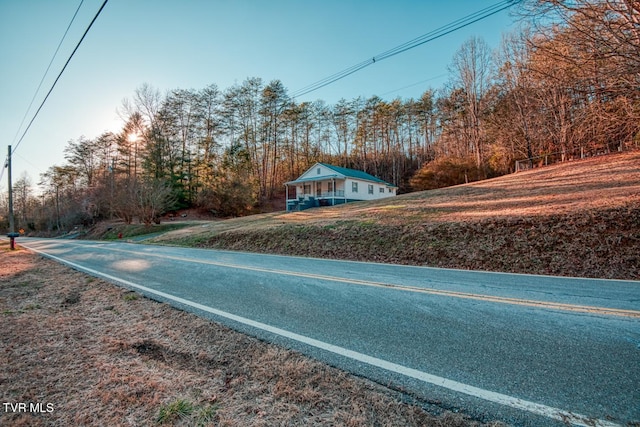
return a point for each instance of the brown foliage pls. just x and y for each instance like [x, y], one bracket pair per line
[445, 172]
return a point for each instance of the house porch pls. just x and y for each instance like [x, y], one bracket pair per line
[305, 194]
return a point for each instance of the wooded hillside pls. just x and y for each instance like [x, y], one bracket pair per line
[567, 85]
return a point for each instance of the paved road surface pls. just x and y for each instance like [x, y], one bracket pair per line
[528, 350]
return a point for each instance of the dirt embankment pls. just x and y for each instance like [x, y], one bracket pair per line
[602, 245]
[76, 350]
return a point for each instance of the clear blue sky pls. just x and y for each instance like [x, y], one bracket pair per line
[193, 43]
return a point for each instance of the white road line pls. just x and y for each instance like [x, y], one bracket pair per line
[502, 399]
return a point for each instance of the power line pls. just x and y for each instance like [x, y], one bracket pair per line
[52, 86]
[442, 31]
[47, 71]
[439, 76]
[59, 75]
[425, 38]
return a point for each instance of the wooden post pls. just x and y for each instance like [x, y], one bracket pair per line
[286, 198]
[333, 191]
[12, 240]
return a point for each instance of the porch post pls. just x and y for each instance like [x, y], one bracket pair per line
[344, 192]
[333, 191]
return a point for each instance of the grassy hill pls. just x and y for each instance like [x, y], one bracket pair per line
[580, 219]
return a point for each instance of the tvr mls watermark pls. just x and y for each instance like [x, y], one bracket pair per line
[27, 407]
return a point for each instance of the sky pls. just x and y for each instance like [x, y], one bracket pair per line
[190, 44]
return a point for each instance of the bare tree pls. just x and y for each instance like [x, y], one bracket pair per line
[83, 154]
[471, 67]
[614, 25]
[124, 202]
[22, 190]
[153, 197]
[209, 134]
[344, 115]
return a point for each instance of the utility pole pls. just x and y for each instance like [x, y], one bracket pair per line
[12, 233]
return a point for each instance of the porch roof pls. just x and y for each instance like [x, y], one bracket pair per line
[314, 179]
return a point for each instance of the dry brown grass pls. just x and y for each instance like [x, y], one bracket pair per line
[577, 219]
[102, 355]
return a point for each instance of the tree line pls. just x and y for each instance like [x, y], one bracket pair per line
[567, 84]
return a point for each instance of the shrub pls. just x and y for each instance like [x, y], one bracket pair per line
[445, 172]
[172, 411]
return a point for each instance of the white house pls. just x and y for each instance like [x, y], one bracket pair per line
[328, 185]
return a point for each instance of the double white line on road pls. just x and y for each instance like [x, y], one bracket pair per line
[502, 399]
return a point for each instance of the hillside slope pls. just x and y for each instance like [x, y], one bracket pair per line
[579, 219]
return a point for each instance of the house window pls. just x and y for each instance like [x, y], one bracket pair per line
[330, 186]
[381, 189]
[319, 171]
[354, 187]
[390, 190]
[370, 188]
[306, 189]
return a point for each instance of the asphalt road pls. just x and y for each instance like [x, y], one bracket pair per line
[527, 350]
